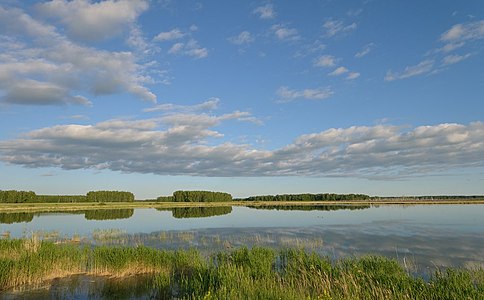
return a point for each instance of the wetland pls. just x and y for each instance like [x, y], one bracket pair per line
[423, 241]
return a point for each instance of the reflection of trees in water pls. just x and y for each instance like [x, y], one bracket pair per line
[9, 218]
[199, 212]
[311, 207]
[108, 214]
[99, 214]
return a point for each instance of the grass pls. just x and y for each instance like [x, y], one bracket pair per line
[257, 273]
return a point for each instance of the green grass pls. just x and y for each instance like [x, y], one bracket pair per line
[257, 273]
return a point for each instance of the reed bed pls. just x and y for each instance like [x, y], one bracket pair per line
[257, 273]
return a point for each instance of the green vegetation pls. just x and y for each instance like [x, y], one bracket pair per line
[165, 199]
[60, 198]
[110, 196]
[430, 198]
[98, 196]
[108, 214]
[198, 212]
[17, 196]
[198, 196]
[258, 273]
[309, 197]
[310, 207]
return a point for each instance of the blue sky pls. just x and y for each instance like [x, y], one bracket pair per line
[248, 97]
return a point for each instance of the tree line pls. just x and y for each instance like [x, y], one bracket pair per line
[110, 196]
[308, 197]
[310, 207]
[196, 196]
[17, 196]
[13, 196]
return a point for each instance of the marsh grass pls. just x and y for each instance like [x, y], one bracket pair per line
[257, 273]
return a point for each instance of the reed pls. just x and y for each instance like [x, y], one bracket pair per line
[257, 273]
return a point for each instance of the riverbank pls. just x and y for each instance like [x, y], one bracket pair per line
[259, 273]
[66, 207]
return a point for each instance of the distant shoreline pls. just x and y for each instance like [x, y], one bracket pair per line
[46, 207]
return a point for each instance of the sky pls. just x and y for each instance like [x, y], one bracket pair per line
[247, 97]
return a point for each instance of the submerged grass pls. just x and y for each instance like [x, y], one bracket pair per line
[257, 273]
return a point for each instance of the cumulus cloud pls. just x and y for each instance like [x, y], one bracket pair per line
[61, 71]
[352, 75]
[173, 34]
[288, 95]
[30, 92]
[265, 12]
[177, 145]
[138, 42]
[93, 21]
[173, 144]
[338, 71]
[190, 48]
[326, 61]
[336, 27]
[421, 68]
[284, 33]
[242, 38]
[309, 49]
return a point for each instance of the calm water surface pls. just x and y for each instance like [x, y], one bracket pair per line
[427, 235]
[421, 237]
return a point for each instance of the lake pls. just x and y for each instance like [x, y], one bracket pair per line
[420, 236]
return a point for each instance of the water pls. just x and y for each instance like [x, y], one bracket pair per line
[421, 237]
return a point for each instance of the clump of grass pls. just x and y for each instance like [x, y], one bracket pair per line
[257, 273]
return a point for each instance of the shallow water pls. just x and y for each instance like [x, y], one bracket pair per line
[421, 237]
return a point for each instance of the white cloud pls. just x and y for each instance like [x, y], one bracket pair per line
[338, 71]
[173, 34]
[191, 48]
[308, 49]
[458, 36]
[366, 49]
[176, 48]
[288, 95]
[177, 145]
[138, 42]
[336, 27]
[326, 61]
[94, 21]
[61, 68]
[353, 75]
[242, 38]
[284, 33]
[422, 68]
[463, 32]
[31, 92]
[208, 105]
[453, 59]
[450, 47]
[265, 11]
